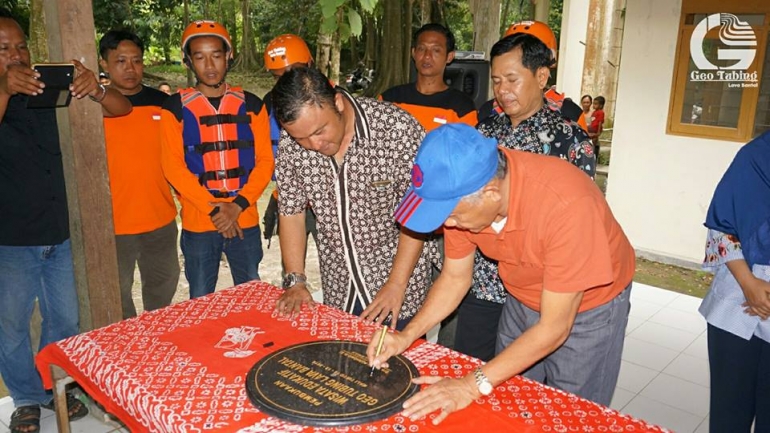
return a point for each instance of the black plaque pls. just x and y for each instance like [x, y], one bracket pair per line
[327, 383]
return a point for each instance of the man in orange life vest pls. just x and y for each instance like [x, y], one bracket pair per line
[216, 154]
[429, 99]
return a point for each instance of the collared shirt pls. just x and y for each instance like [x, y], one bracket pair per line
[723, 305]
[354, 204]
[546, 132]
[33, 198]
[559, 235]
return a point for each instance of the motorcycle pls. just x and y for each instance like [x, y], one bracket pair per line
[359, 79]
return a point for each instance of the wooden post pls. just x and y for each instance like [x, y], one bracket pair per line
[60, 381]
[603, 48]
[70, 25]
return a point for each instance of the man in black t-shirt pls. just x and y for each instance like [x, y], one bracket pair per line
[35, 253]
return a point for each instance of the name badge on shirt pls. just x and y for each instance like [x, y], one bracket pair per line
[440, 120]
[155, 116]
[381, 185]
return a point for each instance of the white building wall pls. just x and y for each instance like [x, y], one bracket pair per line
[572, 49]
[659, 185]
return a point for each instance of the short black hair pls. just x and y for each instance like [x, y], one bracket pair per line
[298, 87]
[534, 53]
[600, 100]
[113, 38]
[586, 96]
[438, 28]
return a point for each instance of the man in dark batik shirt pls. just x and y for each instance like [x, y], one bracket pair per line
[520, 71]
[351, 160]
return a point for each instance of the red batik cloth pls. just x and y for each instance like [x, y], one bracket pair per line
[183, 368]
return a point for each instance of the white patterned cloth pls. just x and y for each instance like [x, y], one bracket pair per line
[722, 306]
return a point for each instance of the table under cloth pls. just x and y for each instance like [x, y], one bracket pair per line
[183, 369]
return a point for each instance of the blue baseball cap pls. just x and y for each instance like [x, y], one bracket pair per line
[453, 161]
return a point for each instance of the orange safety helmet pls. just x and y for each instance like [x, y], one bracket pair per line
[206, 28]
[537, 29]
[286, 50]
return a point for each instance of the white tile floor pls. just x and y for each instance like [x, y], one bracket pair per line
[664, 376]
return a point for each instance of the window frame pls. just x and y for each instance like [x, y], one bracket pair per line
[749, 95]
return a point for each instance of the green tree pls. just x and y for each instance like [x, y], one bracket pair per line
[19, 10]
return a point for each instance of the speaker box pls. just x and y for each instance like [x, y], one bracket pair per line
[468, 76]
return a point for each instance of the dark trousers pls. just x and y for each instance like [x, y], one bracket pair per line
[740, 383]
[477, 322]
[156, 255]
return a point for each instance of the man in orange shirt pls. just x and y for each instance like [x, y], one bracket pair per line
[564, 260]
[216, 153]
[430, 100]
[143, 210]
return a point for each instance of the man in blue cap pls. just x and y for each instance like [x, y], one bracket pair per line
[564, 260]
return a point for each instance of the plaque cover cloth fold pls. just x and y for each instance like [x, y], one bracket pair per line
[183, 369]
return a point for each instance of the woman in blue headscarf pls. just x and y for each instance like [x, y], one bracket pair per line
[737, 306]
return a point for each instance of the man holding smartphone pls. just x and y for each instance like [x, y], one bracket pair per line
[142, 207]
[35, 253]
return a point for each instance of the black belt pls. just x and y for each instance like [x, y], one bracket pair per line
[223, 194]
[218, 146]
[219, 119]
[221, 174]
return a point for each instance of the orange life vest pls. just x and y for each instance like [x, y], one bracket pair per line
[219, 143]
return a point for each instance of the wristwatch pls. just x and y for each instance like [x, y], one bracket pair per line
[485, 387]
[292, 279]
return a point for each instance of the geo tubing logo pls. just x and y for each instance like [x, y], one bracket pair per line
[740, 42]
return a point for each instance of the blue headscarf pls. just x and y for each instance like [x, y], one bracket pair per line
[741, 203]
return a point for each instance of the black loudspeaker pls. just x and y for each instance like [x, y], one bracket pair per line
[468, 76]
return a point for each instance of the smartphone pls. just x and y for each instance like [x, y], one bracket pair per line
[57, 78]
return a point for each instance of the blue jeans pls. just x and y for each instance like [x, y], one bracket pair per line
[202, 252]
[44, 273]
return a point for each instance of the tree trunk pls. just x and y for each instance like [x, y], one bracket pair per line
[230, 22]
[38, 44]
[354, 59]
[437, 13]
[334, 66]
[190, 79]
[424, 12]
[408, 37]
[323, 53]
[504, 20]
[486, 24]
[370, 53]
[390, 68]
[247, 57]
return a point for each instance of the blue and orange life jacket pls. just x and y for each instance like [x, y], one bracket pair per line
[219, 143]
[275, 135]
